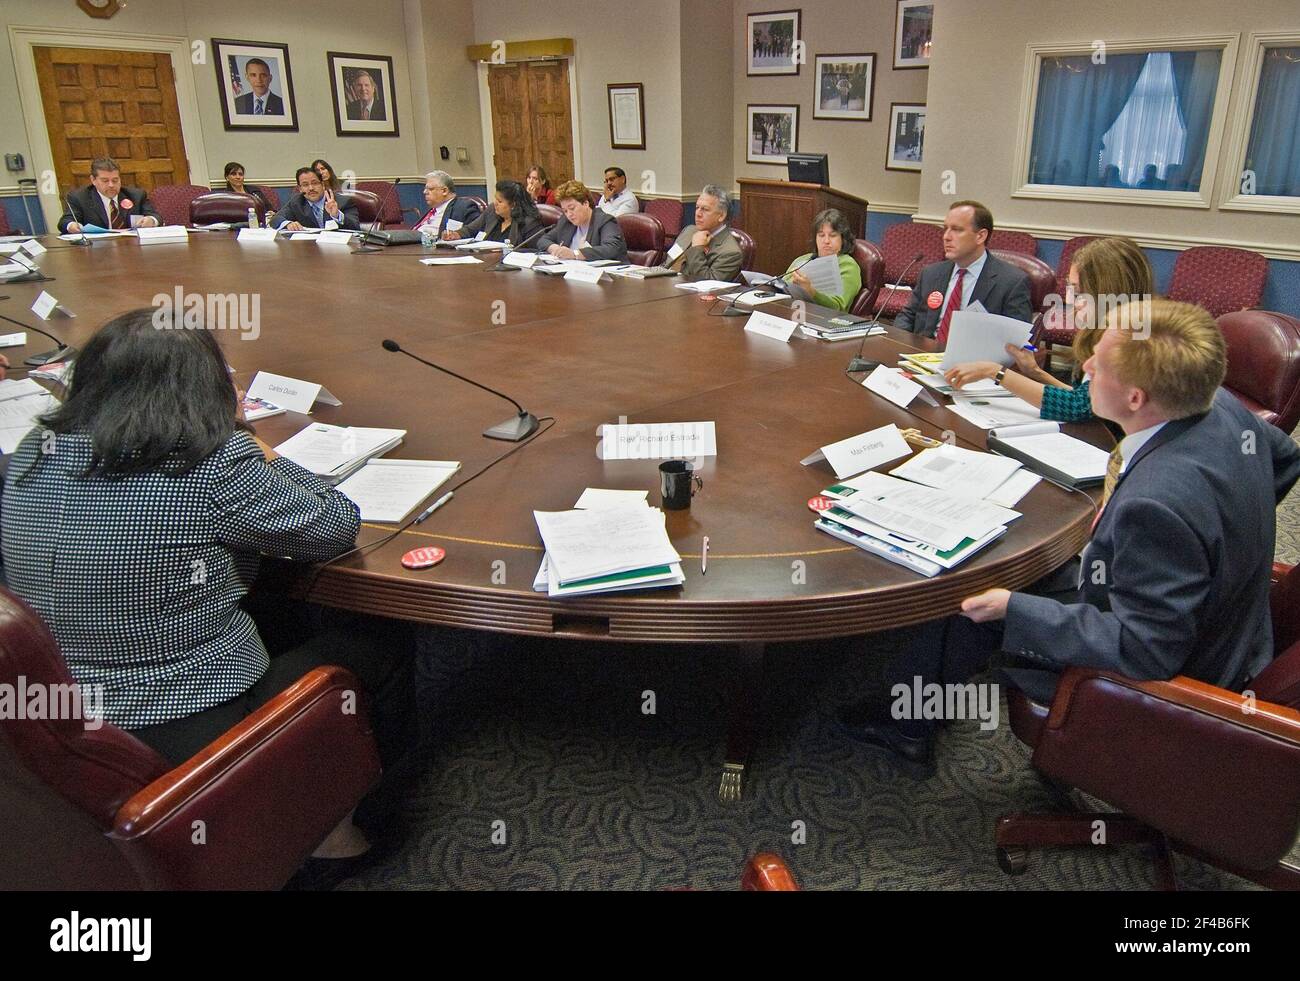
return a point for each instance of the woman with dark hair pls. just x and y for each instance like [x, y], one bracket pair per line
[235, 183]
[326, 174]
[831, 236]
[539, 185]
[512, 218]
[134, 519]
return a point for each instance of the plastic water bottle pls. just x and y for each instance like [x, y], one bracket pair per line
[428, 235]
[252, 217]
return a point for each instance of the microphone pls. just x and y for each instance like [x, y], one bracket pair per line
[81, 225]
[62, 353]
[365, 239]
[513, 430]
[731, 310]
[501, 264]
[859, 363]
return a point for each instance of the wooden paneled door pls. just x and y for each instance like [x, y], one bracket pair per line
[119, 104]
[532, 121]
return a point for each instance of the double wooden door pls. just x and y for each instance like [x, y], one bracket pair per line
[532, 122]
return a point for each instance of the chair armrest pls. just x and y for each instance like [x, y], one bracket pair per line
[1280, 569]
[247, 810]
[1191, 760]
[766, 872]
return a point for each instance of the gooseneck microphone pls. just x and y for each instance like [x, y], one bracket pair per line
[62, 353]
[859, 363]
[513, 430]
[501, 265]
[81, 225]
[731, 310]
[365, 239]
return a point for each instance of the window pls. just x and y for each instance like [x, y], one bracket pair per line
[1263, 172]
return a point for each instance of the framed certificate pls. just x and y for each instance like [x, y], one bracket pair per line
[627, 116]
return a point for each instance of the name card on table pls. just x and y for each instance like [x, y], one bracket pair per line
[47, 306]
[777, 328]
[524, 260]
[166, 233]
[256, 235]
[657, 441]
[33, 247]
[292, 393]
[24, 261]
[14, 340]
[862, 452]
[334, 238]
[584, 274]
[890, 384]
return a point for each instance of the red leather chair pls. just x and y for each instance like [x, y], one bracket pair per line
[901, 244]
[482, 204]
[872, 266]
[669, 213]
[1218, 279]
[1056, 329]
[272, 197]
[766, 872]
[367, 204]
[173, 201]
[86, 808]
[550, 214]
[392, 205]
[644, 236]
[1021, 242]
[1264, 364]
[1042, 284]
[747, 247]
[216, 206]
[1190, 766]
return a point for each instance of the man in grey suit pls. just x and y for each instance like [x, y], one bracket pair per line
[584, 232]
[998, 286]
[314, 205]
[1176, 577]
[707, 249]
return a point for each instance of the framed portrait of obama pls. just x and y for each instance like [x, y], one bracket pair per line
[364, 101]
[255, 85]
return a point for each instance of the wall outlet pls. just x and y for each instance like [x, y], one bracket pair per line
[462, 155]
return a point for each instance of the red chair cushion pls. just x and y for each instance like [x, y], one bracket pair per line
[1264, 364]
[1220, 280]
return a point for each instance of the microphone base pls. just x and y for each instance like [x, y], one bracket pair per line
[502, 267]
[862, 364]
[50, 357]
[514, 429]
[735, 312]
[367, 248]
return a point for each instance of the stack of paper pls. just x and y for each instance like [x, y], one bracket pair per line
[706, 286]
[480, 245]
[19, 409]
[333, 453]
[990, 412]
[389, 490]
[1042, 447]
[612, 546]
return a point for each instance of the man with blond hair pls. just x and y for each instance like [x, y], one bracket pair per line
[1176, 577]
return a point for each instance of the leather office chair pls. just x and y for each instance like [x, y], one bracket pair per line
[1218, 279]
[1042, 285]
[1197, 768]
[747, 247]
[173, 201]
[482, 204]
[669, 213]
[98, 809]
[1264, 364]
[392, 205]
[367, 205]
[1057, 329]
[644, 236]
[871, 263]
[1021, 242]
[271, 195]
[550, 213]
[901, 244]
[216, 206]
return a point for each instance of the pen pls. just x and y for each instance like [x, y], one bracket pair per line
[1030, 348]
[704, 557]
[434, 506]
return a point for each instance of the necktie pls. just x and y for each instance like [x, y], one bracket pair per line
[365, 112]
[954, 303]
[114, 214]
[1113, 464]
[257, 110]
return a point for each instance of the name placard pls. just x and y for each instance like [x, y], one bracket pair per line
[657, 441]
[334, 238]
[890, 384]
[167, 233]
[777, 328]
[862, 452]
[583, 274]
[256, 235]
[292, 393]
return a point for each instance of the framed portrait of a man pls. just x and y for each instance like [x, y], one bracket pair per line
[255, 85]
[364, 100]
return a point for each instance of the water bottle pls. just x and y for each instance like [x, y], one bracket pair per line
[252, 217]
[428, 235]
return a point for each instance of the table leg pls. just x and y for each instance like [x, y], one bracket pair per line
[746, 699]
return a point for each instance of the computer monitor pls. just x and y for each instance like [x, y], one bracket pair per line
[809, 168]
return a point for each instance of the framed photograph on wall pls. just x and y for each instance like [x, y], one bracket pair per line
[626, 116]
[771, 133]
[913, 31]
[770, 42]
[364, 100]
[844, 86]
[255, 85]
[906, 136]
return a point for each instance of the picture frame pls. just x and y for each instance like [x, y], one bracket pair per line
[844, 86]
[243, 106]
[363, 87]
[626, 102]
[771, 132]
[772, 43]
[913, 33]
[906, 136]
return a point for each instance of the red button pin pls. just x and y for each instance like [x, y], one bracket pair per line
[820, 503]
[424, 557]
[934, 300]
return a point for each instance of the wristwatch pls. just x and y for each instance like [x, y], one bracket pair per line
[997, 379]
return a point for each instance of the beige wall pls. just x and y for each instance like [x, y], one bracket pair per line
[443, 31]
[981, 80]
[857, 149]
[708, 87]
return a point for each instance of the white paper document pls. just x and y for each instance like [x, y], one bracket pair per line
[333, 452]
[824, 273]
[990, 413]
[586, 544]
[657, 441]
[1016, 487]
[18, 416]
[974, 335]
[942, 519]
[453, 260]
[389, 490]
[862, 452]
[485, 245]
[968, 473]
[1073, 457]
[705, 286]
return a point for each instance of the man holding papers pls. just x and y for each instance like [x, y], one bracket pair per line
[968, 274]
[1176, 577]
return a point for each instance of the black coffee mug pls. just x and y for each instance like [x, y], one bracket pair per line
[675, 480]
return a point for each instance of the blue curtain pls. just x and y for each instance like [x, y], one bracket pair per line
[1077, 103]
[1196, 76]
[1274, 149]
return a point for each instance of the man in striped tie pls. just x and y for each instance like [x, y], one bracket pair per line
[1175, 579]
[105, 203]
[369, 103]
[261, 101]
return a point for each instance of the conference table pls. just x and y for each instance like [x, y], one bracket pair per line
[577, 355]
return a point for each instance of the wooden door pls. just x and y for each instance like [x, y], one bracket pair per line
[119, 104]
[532, 122]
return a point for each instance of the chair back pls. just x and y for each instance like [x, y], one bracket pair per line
[747, 247]
[1220, 279]
[902, 243]
[550, 214]
[871, 263]
[1072, 245]
[1264, 364]
[1042, 280]
[366, 202]
[669, 213]
[391, 203]
[1021, 242]
[272, 196]
[217, 206]
[644, 236]
[173, 201]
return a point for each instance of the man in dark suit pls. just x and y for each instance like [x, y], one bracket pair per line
[444, 205]
[998, 286]
[584, 232]
[104, 202]
[314, 205]
[1176, 577]
[369, 103]
[261, 101]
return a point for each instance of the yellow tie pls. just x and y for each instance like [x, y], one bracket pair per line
[1113, 464]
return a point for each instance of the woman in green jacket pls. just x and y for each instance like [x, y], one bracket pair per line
[831, 236]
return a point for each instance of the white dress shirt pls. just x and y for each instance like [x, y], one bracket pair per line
[622, 203]
[1130, 444]
[968, 284]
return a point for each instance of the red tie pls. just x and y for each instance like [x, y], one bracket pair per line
[114, 215]
[954, 303]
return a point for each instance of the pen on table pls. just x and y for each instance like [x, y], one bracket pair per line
[435, 505]
[704, 557]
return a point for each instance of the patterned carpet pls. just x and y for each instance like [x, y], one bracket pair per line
[545, 741]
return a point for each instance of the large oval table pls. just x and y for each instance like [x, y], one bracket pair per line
[584, 355]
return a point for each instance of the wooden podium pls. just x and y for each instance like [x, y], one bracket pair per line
[778, 215]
